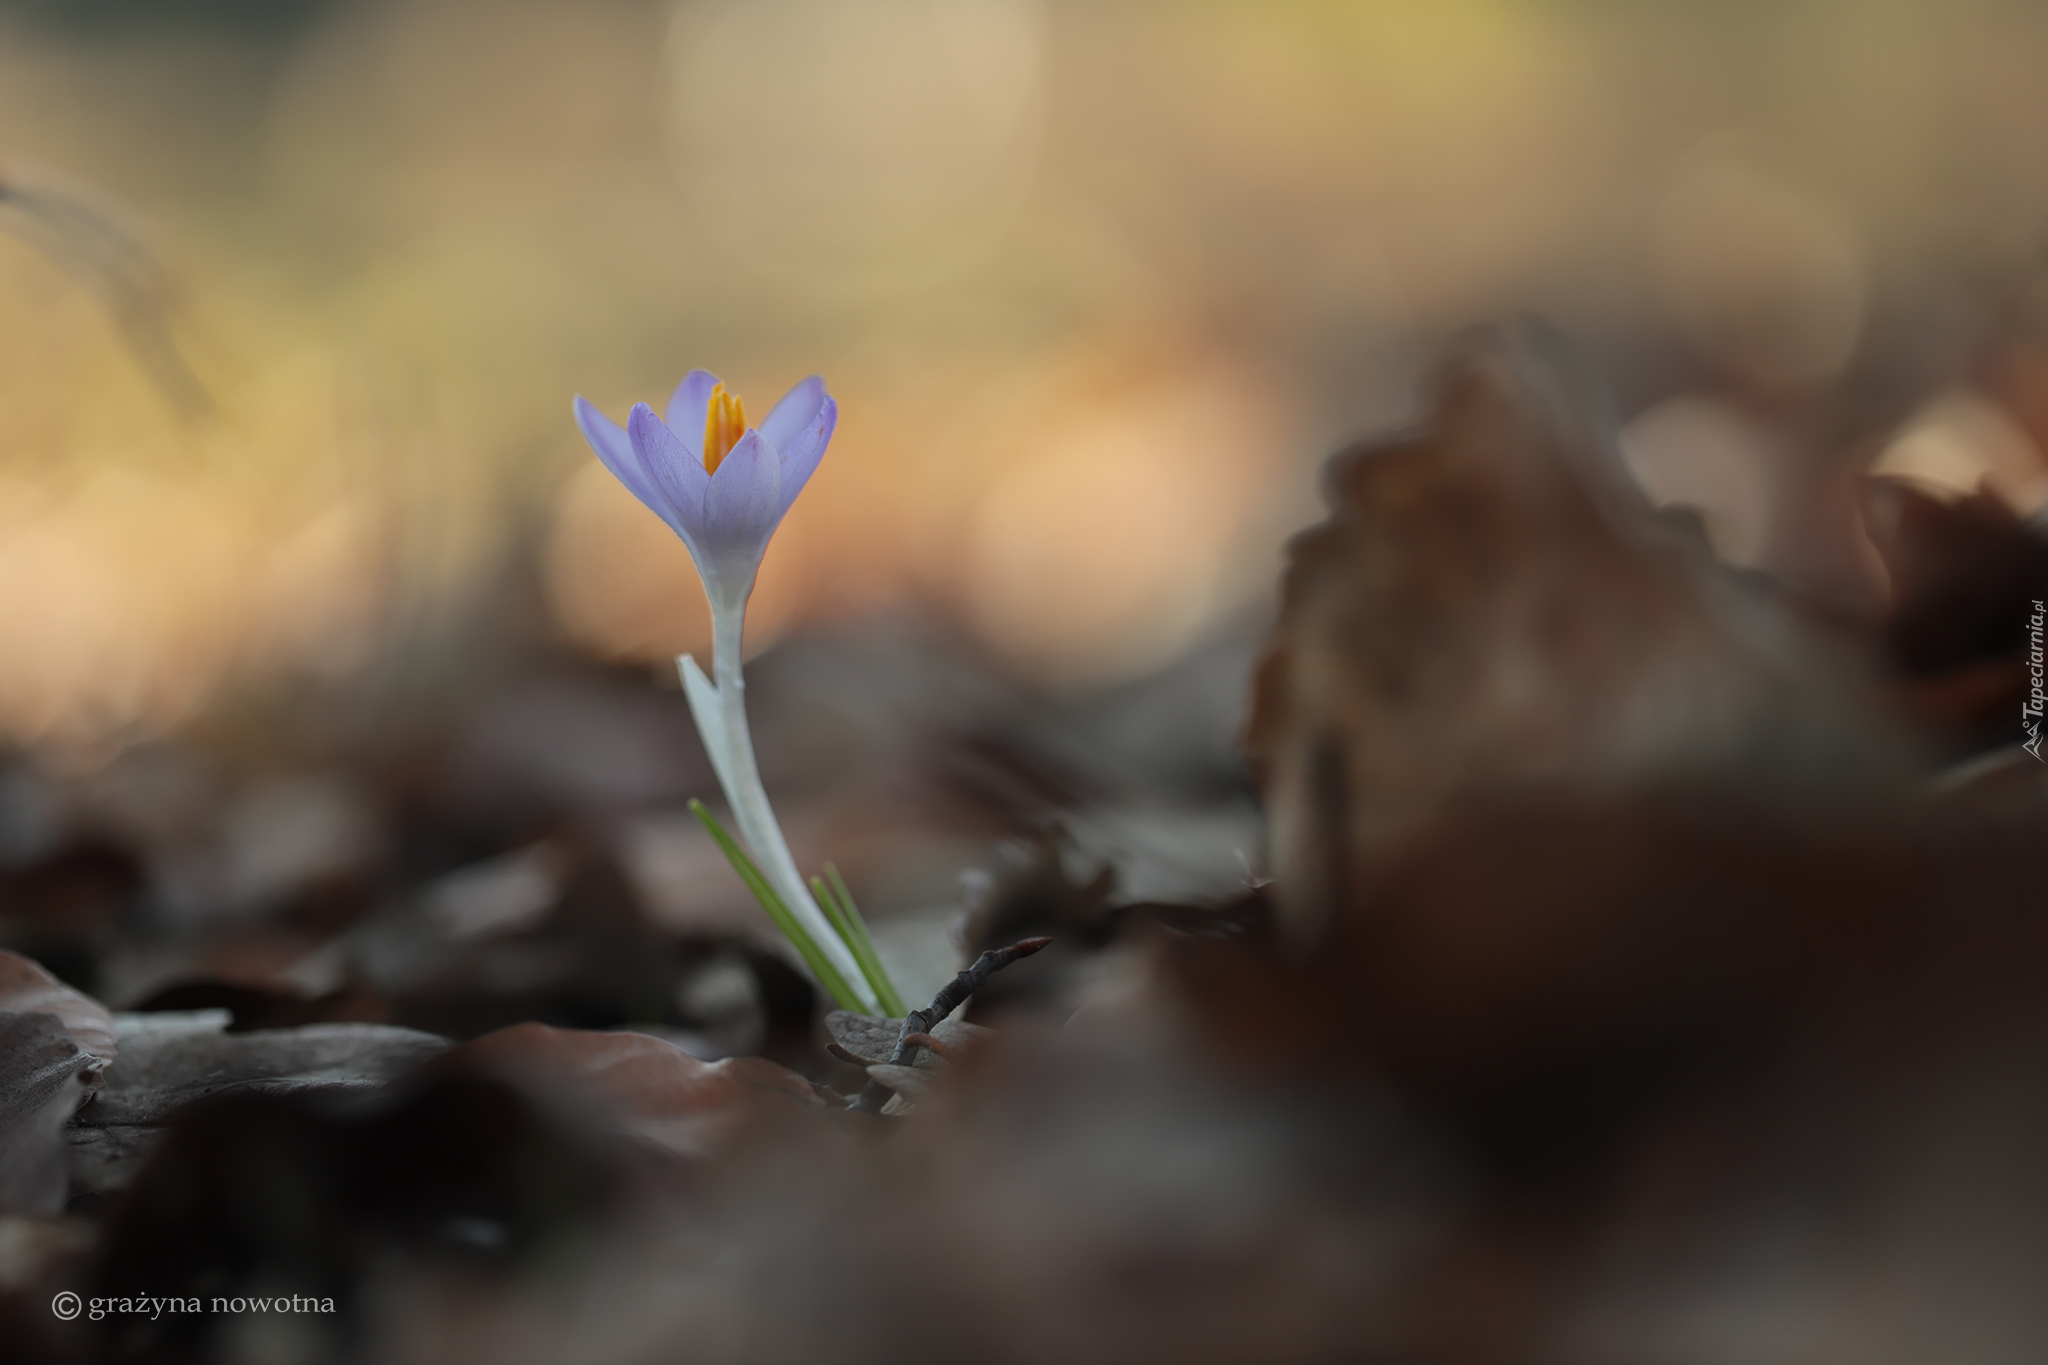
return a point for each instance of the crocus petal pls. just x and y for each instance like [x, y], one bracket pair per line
[615, 449]
[794, 414]
[800, 455]
[686, 409]
[741, 506]
[674, 474]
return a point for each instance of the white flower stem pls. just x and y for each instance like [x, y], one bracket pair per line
[748, 799]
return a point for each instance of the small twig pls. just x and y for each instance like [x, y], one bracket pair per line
[918, 1025]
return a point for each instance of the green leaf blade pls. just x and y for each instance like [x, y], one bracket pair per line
[854, 930]
[821, 966]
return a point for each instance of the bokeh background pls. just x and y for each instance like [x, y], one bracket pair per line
[1097, 285]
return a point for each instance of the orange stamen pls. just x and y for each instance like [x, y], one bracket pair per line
[725, 421]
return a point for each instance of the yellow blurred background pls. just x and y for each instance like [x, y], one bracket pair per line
[1096, 282]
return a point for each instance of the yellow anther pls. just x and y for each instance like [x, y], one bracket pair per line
[725, 421]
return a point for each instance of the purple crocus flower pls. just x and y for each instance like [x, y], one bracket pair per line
[722, 485]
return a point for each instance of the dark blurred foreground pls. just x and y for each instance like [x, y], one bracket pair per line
[1652, 971]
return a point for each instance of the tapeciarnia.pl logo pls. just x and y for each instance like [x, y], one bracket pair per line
[2037, 699]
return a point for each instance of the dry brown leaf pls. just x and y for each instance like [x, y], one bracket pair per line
[171, 1060]
[40, 1088]
[26, 988]
[55, 1044]
[1492, 607]
[653, 1089]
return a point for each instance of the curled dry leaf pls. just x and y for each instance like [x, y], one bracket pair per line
[653, 1090]
[869, 1043]
[866, 1041]
[55, 1044]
